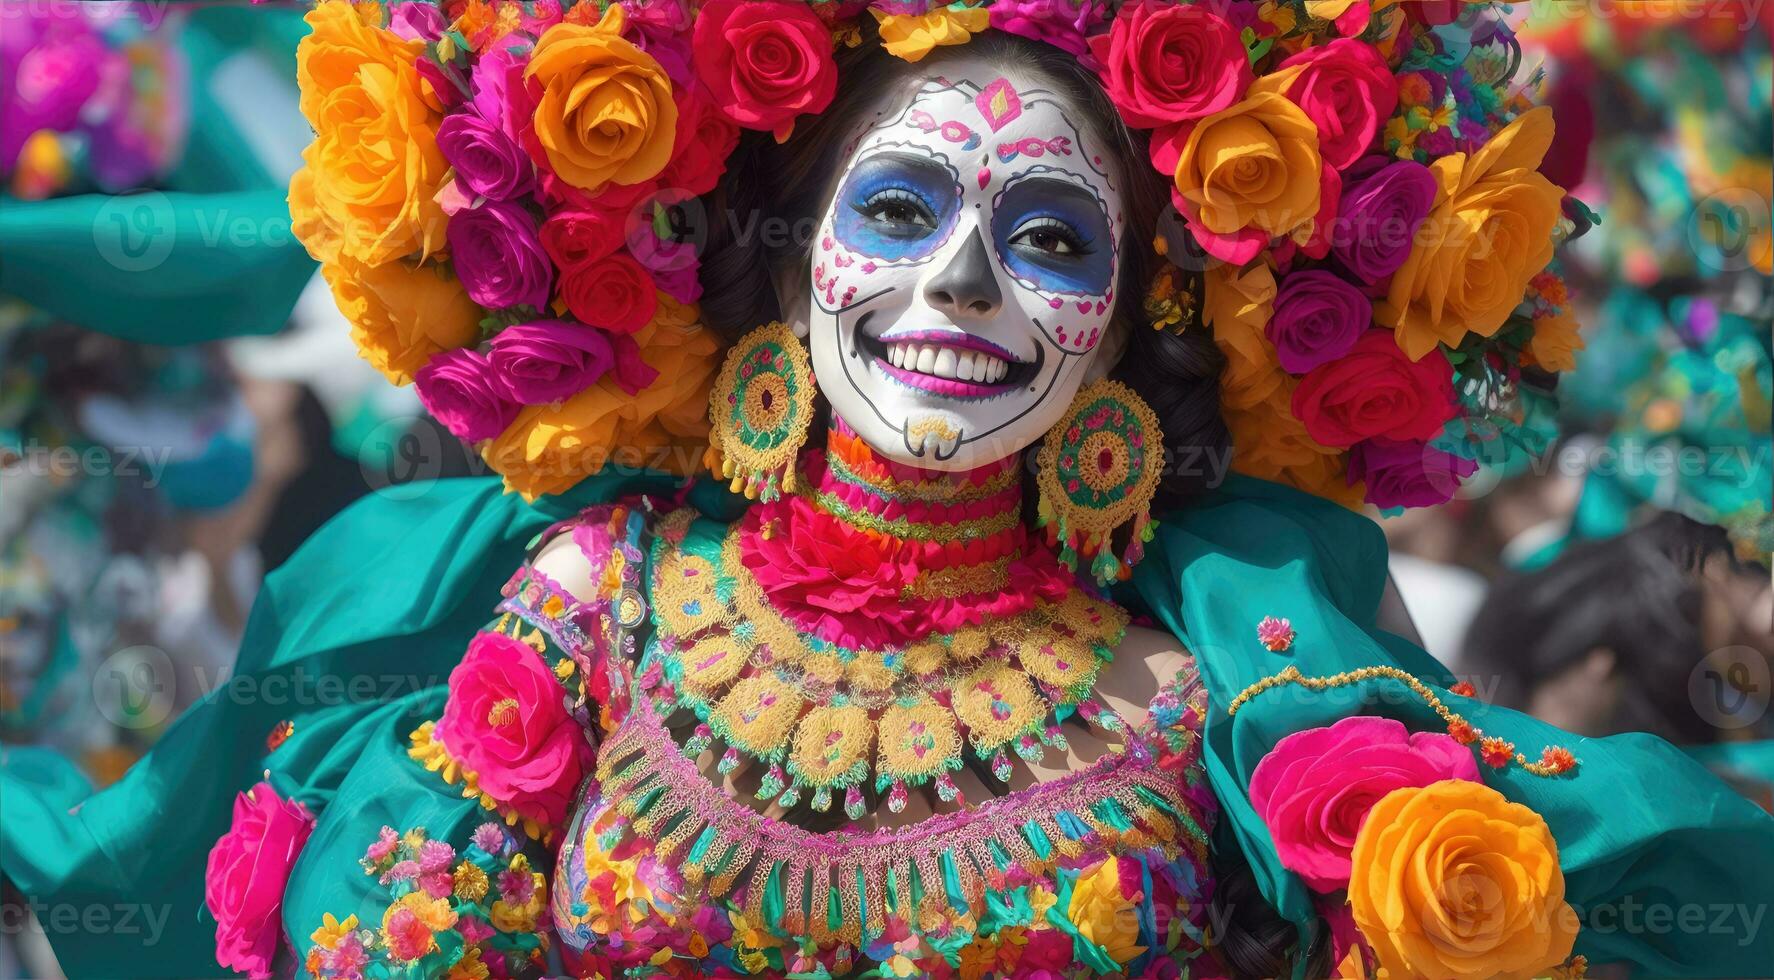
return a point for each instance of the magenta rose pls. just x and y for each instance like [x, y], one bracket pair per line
[1406, 474]
[498, 256]
[244, 880]
[1376, 390]
[1379, 216]
[417, 21]
[488, 163]
[504, 721]
[549, 360]
[1315, 787]
[1169, 63]
[1317, 317]
[460, 389]
[1347, 91]
[1065, 24]
[764, 62]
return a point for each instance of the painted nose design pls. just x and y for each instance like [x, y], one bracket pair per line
[967, 287]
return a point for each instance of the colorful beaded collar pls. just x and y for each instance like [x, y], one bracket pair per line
[828, 716]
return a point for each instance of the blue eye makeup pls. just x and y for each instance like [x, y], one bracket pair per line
[1054, 234]
[897, 207]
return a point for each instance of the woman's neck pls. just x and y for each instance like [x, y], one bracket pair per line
[866, 490]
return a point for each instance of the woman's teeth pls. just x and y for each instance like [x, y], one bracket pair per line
[947, 362]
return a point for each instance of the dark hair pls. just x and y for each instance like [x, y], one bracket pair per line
[1635, 594]
[788, 186]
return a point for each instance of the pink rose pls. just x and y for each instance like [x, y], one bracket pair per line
[1381, 210]
[1347, 91]
[764, 61]
[497, 255]
[1169, 63]
[1318, 316]
[248, 868]
[505, 722]
[1406, 474]
[460, 390]
[1065, 24]
[1315, 787]
[549, 360]
[417, 21]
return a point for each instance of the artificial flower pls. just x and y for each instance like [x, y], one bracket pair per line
[912, 36]
[575, 238]
[1065, 24]
[604, 111]
[614, 293]
[1556, 342]
[374, 166]
[1105, 913]
[1318, 317]
[1248, 174]
[1345, 88]
[706, 138]
[1315, 787]
[1237, 305]
[244, 879]
[416, 20]
[1407, 474]
[764, 63]
[1379, 215]
[402, 315]
[460, 389]
[496, 253]
[547, 360]
[487, 162]
[1376, 390]
[1490, 233]
[504, 722]
[1164, 64]
[1454, 880]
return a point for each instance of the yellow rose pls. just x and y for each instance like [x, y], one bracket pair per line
[1453, 880]
[1490, 233]
[912, 36]
[1237, 304]
[374, 168]
[402, 315]
[606, 113]
[1255, 166]
[1103, 915]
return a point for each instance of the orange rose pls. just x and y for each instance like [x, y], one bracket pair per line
[1489, 234]
[402, 315]
[605, 113]
[374, 168]
[1453, 880]
[1237, 304]
[1248, 174]
[1556, 342]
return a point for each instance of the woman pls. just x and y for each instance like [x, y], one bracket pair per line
[877, 723]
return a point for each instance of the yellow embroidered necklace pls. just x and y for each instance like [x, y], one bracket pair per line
[936, 626]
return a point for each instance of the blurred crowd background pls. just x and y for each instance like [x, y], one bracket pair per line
[1607, 571]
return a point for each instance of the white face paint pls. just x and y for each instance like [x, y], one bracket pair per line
[964, 274]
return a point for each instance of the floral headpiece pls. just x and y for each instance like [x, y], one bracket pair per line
[91, 98]
[490, 181]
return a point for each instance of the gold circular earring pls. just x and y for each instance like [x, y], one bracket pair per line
[761, 410]
[1098, 470]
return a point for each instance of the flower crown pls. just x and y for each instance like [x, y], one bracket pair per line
[490, 184]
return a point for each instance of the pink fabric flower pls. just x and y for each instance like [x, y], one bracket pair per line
[764, 62]
[549, 360]
[416, 21]
[1406, 474]
[248, 868]
[504, 721]
[1317, 317]
[1314, 789]
[1382, 207]
[459, 389]
[1168, 63]
[498, 257]
[1065, 24]
[1346, 89]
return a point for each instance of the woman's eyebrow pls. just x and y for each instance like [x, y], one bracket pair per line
[1053, 187]
[901, 158]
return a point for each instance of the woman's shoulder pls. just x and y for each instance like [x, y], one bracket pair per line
[586, 554]
[1148, 665]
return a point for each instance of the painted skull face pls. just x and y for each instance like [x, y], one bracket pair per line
[964, 274]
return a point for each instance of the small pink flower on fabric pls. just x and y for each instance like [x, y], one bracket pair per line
[1314, 789]
[244, 880]
[1275, 634]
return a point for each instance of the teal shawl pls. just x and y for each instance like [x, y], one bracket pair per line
[392, 588]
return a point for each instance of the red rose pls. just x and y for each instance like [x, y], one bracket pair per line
[504, 721]
[247, 871]
[1347, 91]
[1170, 63]
[764, 61]
[614, 293]
[1376, 390]
[705, 140]
[575, 239]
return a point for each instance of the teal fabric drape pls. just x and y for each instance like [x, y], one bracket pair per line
[386, 595]
[208, 254]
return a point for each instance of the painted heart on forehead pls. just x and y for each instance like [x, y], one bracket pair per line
[963, 273]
